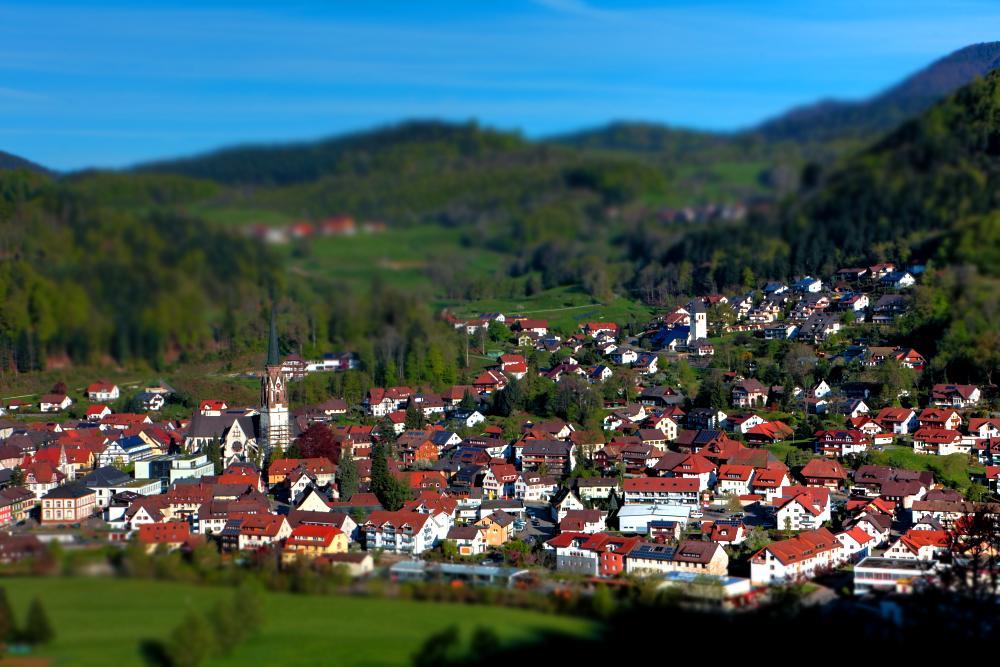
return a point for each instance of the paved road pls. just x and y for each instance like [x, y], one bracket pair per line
[540, 526]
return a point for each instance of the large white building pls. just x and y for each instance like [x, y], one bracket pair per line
[636, 518]
[405, 531]
[661, 490]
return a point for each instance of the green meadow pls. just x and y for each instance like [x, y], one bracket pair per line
[101, 621]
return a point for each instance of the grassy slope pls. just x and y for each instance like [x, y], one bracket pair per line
[953, 470]
[101, 621]
[565, 308]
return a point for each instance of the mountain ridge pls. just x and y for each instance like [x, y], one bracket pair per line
[11, 161]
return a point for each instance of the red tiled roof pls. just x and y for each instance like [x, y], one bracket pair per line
[640, 484]
[171, 532]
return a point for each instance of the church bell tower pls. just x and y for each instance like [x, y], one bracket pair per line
[275, 432]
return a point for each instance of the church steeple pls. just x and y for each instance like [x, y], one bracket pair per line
[273, 358]
[275, 431]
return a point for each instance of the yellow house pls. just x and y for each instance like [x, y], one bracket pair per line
[497, 528]
[309, 541]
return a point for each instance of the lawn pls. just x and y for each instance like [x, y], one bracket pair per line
[781, 450]
[101, 621]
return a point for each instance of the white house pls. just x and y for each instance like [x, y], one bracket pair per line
[103, 391]
[734, 480]
[857, 543]
[802, 507]
[54, 402]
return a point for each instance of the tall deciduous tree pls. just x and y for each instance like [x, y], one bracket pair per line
[318, 441]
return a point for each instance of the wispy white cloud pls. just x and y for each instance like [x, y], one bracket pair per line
[578, 8]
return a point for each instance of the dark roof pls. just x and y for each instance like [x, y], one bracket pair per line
[547, 447]
[463, 532]
[69, 491]
[105, 476]
[216, 426]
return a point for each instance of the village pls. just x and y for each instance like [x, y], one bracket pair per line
[755, 487]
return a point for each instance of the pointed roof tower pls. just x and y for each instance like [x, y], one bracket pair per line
[272, 343]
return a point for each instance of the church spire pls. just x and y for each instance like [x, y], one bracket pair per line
[272, 343]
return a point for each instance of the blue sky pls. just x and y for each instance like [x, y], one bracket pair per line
[113, 83]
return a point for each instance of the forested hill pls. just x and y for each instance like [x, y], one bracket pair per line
[288, 164]
[8, 161]
[819, 131]
[831, 119]
[922, 179]
[85, 279]
[663, 141]
[420, 172]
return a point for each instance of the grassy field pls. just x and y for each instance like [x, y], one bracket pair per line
[565, 308]
[399, 256]
[100, 622]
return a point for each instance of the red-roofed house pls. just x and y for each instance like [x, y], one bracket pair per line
[939, 441]
[802, 507]
[539, 327]
[172, 534]
[734, 479]
[212, 408]
[897, 420]
[856, 542]
[103, 391]
[97, 412]
[841, 442]
[662, 490]
[769, 433]
[769, 483]
[824, 472]
[920, 545]
[797, 558]
[312, 541]
[955, 395]
[595, 555]
[694, 466]
[940, 418]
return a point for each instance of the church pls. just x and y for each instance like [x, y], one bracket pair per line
[249, 434]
